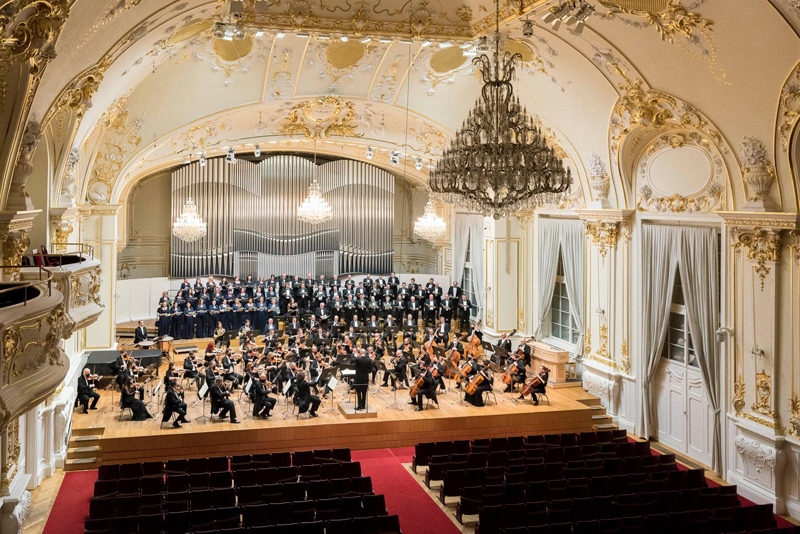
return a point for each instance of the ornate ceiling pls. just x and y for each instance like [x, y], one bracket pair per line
[143, 84]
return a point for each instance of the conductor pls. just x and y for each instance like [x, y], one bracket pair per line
[364, 367]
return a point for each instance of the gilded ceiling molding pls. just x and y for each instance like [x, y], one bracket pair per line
[789, 107]
[121, 136]
[344, 59]
[281, 86]
[325, 117]
[604, 234]
[794, 419]
[385, 90]
[738, 395]
[710, 198]
[685, 29]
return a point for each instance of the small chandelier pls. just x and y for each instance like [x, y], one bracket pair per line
[314, 209]
[189, 226]
[499, 162]
[430, 226]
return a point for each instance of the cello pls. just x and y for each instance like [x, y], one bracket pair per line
[510, 370]
[417, 385]
[532, 382]
[474, 342]
[472, 387]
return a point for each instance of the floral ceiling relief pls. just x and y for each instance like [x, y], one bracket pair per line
[343, 60]
[676, 24]
[121, 137]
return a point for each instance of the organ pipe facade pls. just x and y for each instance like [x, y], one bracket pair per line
[251, 213]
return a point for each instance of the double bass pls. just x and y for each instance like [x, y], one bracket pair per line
[474, 342]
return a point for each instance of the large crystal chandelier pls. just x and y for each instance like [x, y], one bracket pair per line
[314, 209]
[189, 226]
[499, 162]
[430, 226]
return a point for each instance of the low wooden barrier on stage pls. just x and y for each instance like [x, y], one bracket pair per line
[552, 358]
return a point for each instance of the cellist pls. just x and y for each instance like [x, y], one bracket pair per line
[516, 366]
[486, 384]
[541, 379]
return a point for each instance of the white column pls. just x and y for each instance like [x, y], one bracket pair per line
[100, 231]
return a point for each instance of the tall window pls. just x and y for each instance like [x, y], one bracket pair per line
[466, 281]
[562, 326]
[678, 345]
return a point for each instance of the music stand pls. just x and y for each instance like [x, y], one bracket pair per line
[246, 391]
[202, 394]
[329, 379]
[381, 367]
[286, 387]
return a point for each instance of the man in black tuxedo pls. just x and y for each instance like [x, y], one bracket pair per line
[364, 367]
[442, 331]
[220, 401]
[263, 402]
[173, 403]
[428, 389]
[504, 342]
[140, 334]
[305, 401]
[398, 372]
[86, 391]
[454, 291]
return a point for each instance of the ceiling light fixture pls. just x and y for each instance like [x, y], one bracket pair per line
[425, 43]
[464, 46]
[259, 33]
[343, 38]
[385, 40]
[369, 152]
[189, 226]
[499, 162]
[322, 37]
[445, 44]
[418, 164]
[302, 35]
[257, 151]
[365, 40]
[395, 158]
[279, 35]
[527, 27]
[430, 226]
[314, 209]
[202, 159]
[231, 156]
[570, 12]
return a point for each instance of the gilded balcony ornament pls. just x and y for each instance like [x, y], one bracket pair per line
[95, 281]
[763, 394]
[625, 359]
[738, 395]
[14, 247]
[604, 234]
[763, 247]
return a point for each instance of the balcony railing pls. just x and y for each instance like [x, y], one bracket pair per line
[19, 292]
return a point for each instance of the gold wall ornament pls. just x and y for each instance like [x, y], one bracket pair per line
[678, 203]
[325, 117]
[12, 451]
[789, 107]
[738, 395]
[385, 90]
[763, 247]
[587, 342]
[490, 318]
[794, 245]
[95, 281]
[282, 86]
[763, 394]
[758, 172]
[78, 94]
[121, 137]
[794, 417]
[61, 233]
[604, 234]
[14, 247]
[625, 359]
[603, 350]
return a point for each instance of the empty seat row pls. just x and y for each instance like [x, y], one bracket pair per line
[223, 463]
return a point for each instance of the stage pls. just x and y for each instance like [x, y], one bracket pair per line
[116, 441]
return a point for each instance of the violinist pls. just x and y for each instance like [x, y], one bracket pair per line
[427, 388]
[516, 368]
[539, 388]
[227, 366]
[171, 373]
[397, 372]
[486, 383]
[86, 390]
[211, 375]
[220, 401]
[211, 352]
[174, 403]
[263, 403]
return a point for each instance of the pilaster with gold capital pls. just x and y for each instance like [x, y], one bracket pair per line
[14, 240]
[63, 224]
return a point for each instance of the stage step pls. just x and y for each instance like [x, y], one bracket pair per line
[606, 426]
[89, 431]
[84, 449]
[81, 464]
[91, 451]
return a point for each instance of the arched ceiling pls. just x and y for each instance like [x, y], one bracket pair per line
[167, 81]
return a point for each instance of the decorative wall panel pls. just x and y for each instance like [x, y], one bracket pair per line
[251, 213]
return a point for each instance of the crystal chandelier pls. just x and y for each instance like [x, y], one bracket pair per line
[189, 226]
[430, 226]
[314, 209]
[499, 162]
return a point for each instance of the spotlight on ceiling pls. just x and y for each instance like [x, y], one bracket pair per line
[343, 38]
[483, 44]
[202, 159]
[323, 37]
[570, 12]
[369, 152]
[302, 35]
[418, 164]
[257, 151]
[464, 46]
[406, 41]
[365, 40]
[527, 27]
[395, 158]
[259, 33]
[445, 44]
[279, 35]
[425, 43]
[187, 160]
[583, 13]
[385, 40]
[231, 156]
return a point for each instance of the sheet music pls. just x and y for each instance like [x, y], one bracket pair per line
[247, 387]
[287, 386]
[203, 391]
[332, 383]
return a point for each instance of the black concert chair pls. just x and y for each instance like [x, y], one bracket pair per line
[108, 472]
[328, 509]
[322, 456]
[319, 489]
[267, 475]
[245, 477]
[130, 470]
[341, 526]
[202, 519]
[351, 469]
[642, 448]
[226, 517]
[300, 458]
[246, 495]
[310, 472]
[105, 489]
[241, 462]
[303, 511]
[279, 513]
[201, 499]
[150, 486]
[294, 491]
[176, 467]
[101, 508]
[330, 471]
[198, 481]
[491, 519]
[175, 501]
[255, 515]
[280, 459]
[287, 473]
[224, 498]
[272, 493]
[218, 463]
[387, 524]
[552, 440]
[153, 469]
[341, 455]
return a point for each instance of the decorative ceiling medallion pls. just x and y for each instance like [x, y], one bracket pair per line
[329, 116]
[447, 59]
[513, 46]
[232, 51]
[344, 54]
[193, 29]
[282, 85]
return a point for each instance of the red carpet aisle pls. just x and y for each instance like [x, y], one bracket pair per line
[419, 514]
[72, 503]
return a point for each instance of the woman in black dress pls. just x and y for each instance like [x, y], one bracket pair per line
[476, 399]
[162, 324]
[129, 400]
[189, 321]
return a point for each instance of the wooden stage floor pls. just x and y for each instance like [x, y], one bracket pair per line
[128, 441]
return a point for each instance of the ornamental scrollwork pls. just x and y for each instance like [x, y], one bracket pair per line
[95, 281]
[14, 247]
[794, 418]
[763, 394]
[763, 246]
[738, 395]
[604, 234]
[757, 453]
[789, 107]
[329, 116]
[680, 204]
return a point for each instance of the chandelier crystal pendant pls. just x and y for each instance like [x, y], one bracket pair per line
[315, 209]
[499, 162]
[430, 226]
[189, 226]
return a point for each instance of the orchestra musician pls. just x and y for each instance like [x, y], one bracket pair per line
[426, 389]
[263, 402]
[230, 375]
[539, 389]
[243, 331]
[516, 365]
[129, 400]
[171, 373]
[86, 390]
[442, 331]
[305, 401]
[486, 384]
[140, 334]
[504, 342]
[219, 334]
[220, 401]
[174, 403]
[397, 372]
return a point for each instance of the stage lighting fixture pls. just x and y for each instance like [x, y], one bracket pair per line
[279, 35]
[343, 38]
[385, 40]
[202, 159]
[445, 44]
[323, 37]
[369, 152]
[302, 35]
[257, 151]
[395, 159]
[418, 164]
[365, 40]
[231, 156]
[527, 27]
[187, 160]
[425, 43]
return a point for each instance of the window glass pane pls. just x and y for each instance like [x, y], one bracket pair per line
[676, 321]
[676, 352]
[560, 269]
[677, 290]
[693, 359]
